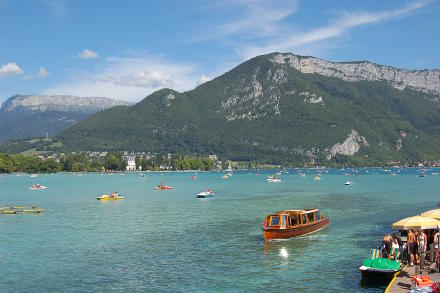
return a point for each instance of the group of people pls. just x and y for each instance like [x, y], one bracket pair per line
[390, 242]
[113, 194]
[415, 248]
[417, 244]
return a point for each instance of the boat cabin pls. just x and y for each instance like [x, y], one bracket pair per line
[292, 218]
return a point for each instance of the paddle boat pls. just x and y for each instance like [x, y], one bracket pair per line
[273, 179]
[225, 177]
[317, 178]
[110, 196]
[206, 194]
[37, 187]
[293, 223]
[163, 187]
[376, 265]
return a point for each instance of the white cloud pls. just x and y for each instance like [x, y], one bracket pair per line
[130, 78]
[256, 18]
[88, 54]
[42, 72]
[294, 40]
[10, 68]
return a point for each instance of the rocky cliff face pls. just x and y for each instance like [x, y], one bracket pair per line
[59, 103]
[348, 147]
[427, 81]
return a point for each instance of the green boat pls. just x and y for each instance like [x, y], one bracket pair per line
[376, 265]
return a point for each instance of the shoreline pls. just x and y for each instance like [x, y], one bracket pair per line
[225, 171]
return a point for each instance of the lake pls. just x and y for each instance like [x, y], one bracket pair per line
[172, 241]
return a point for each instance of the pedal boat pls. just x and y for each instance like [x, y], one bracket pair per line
[107, 197]
[377, 266]
[37, 187]
[293, 223]
[163, 187]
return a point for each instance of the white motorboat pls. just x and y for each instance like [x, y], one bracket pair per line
[206, 194]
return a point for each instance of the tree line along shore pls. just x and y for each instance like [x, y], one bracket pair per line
[79, 162]
[114, 161]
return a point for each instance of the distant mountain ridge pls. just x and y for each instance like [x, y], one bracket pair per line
[24, 116]
[278, 108]
[63, 103]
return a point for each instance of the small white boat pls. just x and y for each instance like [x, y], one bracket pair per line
[302, 174]
[205, 194]
[273, 179]
[34, 175]
[37, 186]
[349, 182]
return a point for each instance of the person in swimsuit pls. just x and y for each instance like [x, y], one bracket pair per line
[411, 246]
[386, 245]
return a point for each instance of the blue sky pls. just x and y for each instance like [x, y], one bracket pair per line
[128, 49]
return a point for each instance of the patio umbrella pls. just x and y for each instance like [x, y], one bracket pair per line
[434, 214]
[417, 222]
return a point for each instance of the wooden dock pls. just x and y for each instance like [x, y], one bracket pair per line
[402, 281]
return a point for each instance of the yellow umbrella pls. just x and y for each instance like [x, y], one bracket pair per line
[434, 214]
[417, 222]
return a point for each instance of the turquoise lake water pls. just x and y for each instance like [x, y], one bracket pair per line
[172, 241]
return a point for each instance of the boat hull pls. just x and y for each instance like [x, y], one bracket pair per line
[367, 272]
[110, 198]
[270, 233]
[204, 196]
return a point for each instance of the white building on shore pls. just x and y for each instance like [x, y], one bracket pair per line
[131, 163]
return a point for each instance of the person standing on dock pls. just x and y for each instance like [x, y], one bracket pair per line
[436, 249]
[411, 246]
[422, 241]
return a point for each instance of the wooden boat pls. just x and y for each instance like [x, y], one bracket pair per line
[293, 223]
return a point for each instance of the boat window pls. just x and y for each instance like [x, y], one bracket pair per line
[310, 217]
[304, 219]
[293, 221]
[283, 221]
[275, 221]
[317, 216]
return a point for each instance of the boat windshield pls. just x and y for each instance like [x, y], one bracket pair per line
[275, 221]
[317, 216]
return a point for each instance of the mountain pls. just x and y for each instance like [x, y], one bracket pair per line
[281, 108]
[24, 116]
